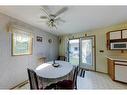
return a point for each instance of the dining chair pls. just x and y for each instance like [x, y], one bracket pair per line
[33, 80]
[69, 84]
[81, 72]
[63, 58]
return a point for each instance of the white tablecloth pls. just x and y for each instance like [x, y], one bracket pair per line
[49, 74]
[46, 70]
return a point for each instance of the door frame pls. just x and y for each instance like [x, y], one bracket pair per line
[94, 37]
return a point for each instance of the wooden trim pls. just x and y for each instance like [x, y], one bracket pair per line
[95, 71]
[113, 78]
[120, 64]
[122, 51]
[121, 61]
[118, 40]
[121, 34]
[121, 81]
[118, 49]
[100, 72]
[117, 30]
[19, 85]
[108, 41]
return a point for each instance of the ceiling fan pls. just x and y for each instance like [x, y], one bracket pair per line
[52, 20]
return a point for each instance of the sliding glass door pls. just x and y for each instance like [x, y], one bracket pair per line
[81, 52]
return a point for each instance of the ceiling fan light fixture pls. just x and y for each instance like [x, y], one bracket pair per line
[53, 19]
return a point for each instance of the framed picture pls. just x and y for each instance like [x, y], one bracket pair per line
[39, 39]
[22, 43]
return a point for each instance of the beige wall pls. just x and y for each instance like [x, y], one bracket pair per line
[100, 45]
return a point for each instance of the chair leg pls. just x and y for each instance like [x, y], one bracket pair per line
[81, 72]
[84, 73]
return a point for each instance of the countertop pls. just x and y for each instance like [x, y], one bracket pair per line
[117, 58]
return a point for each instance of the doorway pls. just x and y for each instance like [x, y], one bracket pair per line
[81, 52]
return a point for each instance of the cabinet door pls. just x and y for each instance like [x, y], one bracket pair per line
[111, 68]
[124, 34]
[115, 35]
[121, 73]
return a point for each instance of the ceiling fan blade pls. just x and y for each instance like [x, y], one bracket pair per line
[43, 17]
[61, 11]
[46, 12]
[43, 21]
[59, 19]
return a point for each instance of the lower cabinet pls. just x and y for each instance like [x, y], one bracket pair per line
[117, 70]
[111, 69]
[121, 71]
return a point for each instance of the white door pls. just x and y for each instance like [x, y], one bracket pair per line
[87, 51]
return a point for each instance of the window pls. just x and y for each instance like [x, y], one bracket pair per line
[21, 42]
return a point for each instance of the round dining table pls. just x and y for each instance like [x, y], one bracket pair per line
[47, 70]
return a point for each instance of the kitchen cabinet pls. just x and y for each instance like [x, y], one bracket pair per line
[120, 71]
[111, 68]
[115, 35]
[124, 34]
[117, 70]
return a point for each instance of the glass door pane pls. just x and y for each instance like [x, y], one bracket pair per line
[74, 51]
[87, 53]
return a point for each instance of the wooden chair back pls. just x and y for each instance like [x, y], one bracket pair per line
[63, 58]
[32, 79]
[75, 77]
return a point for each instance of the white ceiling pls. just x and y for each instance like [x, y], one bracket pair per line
[78, 18]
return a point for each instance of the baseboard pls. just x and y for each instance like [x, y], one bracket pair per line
[96, 71]
[19, 85]
[120, 81]
[101, 72]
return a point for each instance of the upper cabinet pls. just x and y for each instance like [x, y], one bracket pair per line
[117, 40]
[124, 34]
[115, 35]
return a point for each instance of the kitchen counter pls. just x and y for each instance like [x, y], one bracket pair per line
[117, 58]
